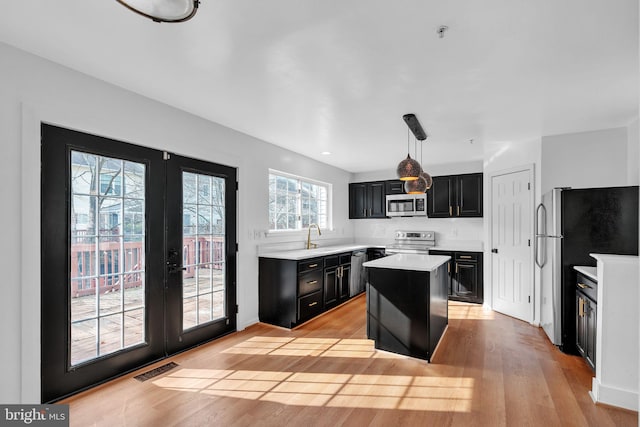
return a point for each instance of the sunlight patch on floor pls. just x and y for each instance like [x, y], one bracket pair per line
[415, 393]
[315, 347]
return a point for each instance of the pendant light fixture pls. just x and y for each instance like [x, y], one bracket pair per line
[408, 169]
[163, 10]
[424, 181]
[417, 186]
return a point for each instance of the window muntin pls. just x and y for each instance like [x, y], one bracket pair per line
[295, 202]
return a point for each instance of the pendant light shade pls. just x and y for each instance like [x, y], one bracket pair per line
[163, 10]
[427, 179]
[409, 169]
[417, 186]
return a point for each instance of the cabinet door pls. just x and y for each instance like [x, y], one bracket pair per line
[465, 284]
[345, 280]
[394, 187]
[469, 195]
[330, 286]
[591, 314]
[440, 197]
[376, 200]
[449, 267]
[357, 201]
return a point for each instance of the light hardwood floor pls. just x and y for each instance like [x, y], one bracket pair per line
[489, 370]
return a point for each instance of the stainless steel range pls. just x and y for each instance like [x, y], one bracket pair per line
[412, 242]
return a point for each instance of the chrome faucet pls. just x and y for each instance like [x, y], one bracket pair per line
[309, 244]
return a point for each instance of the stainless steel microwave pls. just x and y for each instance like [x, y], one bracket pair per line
[407, 205]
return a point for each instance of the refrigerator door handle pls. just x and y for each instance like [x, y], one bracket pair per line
[542, 220]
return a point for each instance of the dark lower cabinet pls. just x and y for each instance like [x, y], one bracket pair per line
[586, 317]
[292, 292]
[465, 275]
[337, 273]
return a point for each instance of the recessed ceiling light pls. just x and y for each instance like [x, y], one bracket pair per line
[326, 153]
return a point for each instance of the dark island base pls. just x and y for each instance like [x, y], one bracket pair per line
[407, 311]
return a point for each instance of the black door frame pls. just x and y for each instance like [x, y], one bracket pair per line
[177, 339]
[58, 378]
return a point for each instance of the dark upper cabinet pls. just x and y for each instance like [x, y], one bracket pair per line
[394, 186]
[454, 196]
[441, 197]
[469, 195]
[367, 200]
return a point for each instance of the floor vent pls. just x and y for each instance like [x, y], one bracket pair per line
[155, 372]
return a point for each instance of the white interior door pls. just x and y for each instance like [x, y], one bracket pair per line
[511, 239]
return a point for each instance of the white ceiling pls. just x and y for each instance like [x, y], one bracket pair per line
[337, 75]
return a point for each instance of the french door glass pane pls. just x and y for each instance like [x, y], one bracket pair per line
[107, 219]
[203, 243]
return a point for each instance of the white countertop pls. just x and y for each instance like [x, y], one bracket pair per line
[465, 246]
[298, 254]
[413, 262]
[590, 272]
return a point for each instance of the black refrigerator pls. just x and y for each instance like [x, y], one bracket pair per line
[570, 225]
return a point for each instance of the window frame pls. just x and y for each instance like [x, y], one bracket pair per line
[300, 180]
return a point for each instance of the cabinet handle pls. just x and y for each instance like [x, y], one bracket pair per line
[313, 303]
[465, 256]
[313, 265]
[458, 210]
[580, 307]
[456, 267]
[450, 211]
[583, 286]
[449, 267]
[312, 282]
[370, 210]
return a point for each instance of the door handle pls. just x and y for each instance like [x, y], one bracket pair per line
[174, 267]
[494, 250]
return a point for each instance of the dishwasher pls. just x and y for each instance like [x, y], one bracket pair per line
[357, 279]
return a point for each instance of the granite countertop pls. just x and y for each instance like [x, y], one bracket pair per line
[590, 272]
[413, 262]
[298, 254]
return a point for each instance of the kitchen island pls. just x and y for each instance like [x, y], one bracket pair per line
[407, 307]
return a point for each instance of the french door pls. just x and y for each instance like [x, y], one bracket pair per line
[138, 257]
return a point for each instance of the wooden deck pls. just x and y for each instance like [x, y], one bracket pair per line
[113, 336]
[489, 370]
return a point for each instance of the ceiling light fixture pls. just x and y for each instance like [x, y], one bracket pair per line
[163, 10]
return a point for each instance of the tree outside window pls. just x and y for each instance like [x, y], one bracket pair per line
[295, 202]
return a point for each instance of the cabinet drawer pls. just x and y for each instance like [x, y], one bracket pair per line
[587, 286]
[331, 261]
[309, 305]
[310, 281]
[467, 256]
[345, 258]
[310, 264]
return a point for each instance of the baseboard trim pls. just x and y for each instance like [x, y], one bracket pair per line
[613, 396]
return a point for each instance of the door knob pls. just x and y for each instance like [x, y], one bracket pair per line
[494, 250]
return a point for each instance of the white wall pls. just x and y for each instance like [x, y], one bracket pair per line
[33, 90]
[633, 152]
[586, 159]
[381, 231]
